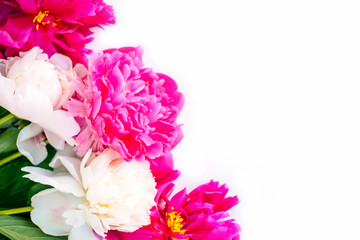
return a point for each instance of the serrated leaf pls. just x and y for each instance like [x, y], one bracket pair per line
[8, 140]
[17, 228]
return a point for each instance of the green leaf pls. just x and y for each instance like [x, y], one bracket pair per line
[3, 112]
[11, 122]
[17, 228]
[13, 187]
[8, 140]
[2, 237]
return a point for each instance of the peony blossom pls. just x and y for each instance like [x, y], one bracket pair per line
[55, 26]
[34, 87]
[163, 169]
[98, 194]
[201, 214]
[127, 107]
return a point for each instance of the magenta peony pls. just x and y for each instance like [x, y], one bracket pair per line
[199, 215]
[55, 26]
[122, 105]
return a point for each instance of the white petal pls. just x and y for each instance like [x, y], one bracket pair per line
[96, 225]
[83, 232]
[7, 89]
[68, 151]
[49, 207]
[30, 143]
[62, 125]
[55, 140]
[75, 218]
[23, 62]
[86, 173]
[71, 164]
[63, 182]
[61, 60]
[33, 106]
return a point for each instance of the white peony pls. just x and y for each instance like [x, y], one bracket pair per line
[34, 87]
[100, 193]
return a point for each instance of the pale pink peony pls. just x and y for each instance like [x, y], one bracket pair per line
[34, 87]
[127, 107]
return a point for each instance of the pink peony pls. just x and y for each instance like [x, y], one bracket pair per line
[127, 107]
[55, 26]
[199, 215]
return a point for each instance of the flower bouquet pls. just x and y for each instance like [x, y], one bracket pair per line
[86, 138]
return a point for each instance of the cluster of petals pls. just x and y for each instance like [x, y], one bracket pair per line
[111, 111]
[34, 87]
[92, 196]
[62, 26]
[201, 214]
[127, 107]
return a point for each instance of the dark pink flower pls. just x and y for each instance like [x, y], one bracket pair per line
[199, 215]
[54, 25]
[122, 105]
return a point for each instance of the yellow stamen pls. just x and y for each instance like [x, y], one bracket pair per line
[175, 223]
[40, 17]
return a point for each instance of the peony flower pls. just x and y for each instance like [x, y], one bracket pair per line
[98, 194]
[163, 169]
[55, 26]
[34, 87]
[127, 107]
[199, 215]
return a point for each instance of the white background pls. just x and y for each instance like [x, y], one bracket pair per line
[272, 104]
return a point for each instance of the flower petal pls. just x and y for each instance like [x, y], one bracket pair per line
[61, 60]
[75, 218]
[49, 206]
[55, 140]
[71, 164]
[61, 124]
[63, 182]
[30, 143]
[34, 106]
[83, 232]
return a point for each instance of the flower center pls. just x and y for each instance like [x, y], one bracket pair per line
[42, 18]
[175, 223]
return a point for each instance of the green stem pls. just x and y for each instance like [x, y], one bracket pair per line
[7, 118]
[16, 210]
[9, 158]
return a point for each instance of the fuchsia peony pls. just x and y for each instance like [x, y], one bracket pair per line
[55, 26]
[127, 107]
[199, 215]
